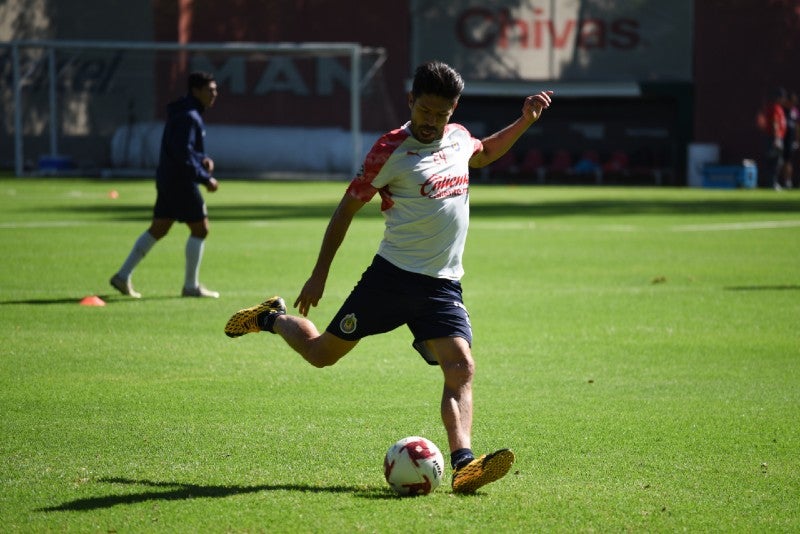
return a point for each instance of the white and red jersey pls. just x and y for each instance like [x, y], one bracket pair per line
[424, 189]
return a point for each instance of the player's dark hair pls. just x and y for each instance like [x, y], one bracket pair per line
[437, 78]
[199, 79]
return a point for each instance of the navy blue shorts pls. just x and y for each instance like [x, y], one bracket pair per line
[182, 203]
[387, 297]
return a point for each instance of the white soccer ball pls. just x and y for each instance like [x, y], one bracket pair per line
[413, 466]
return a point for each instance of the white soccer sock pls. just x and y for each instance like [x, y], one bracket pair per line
[140, 249]
[194, 254]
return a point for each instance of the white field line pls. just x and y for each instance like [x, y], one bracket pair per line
[45, 224]
[492, 225]
[723, 227]
[710, 227]
[483, 225]
[532, 225]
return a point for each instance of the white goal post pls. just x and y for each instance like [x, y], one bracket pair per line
[68, 96]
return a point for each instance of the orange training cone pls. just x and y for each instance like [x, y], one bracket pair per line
[92, 300]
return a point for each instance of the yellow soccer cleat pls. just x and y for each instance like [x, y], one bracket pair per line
[482, 471]
[246, 321]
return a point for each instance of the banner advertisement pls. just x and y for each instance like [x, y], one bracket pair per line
[559, 40]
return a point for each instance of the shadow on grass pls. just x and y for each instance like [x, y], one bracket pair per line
[109, 299]
[237, 212]
[479, 208]
[175, 491]
[119, 299]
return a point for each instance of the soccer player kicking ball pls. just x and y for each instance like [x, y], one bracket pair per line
[421, 172]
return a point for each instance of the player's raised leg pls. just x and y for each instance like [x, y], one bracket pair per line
[253, 319]
[318, 349]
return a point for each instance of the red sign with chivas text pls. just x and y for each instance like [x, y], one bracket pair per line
[564, 40]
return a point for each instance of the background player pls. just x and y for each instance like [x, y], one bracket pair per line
[182, 165]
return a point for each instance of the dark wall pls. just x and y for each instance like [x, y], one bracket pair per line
[384, 24]
[743, 49]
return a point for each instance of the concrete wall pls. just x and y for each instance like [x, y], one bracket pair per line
[91, 107]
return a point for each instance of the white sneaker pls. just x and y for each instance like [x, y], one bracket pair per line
[124, 286]
[199, 291]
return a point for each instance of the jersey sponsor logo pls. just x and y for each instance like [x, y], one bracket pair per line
[348, 323]
[438, 186]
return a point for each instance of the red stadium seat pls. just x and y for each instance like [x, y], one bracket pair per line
[506, 165]
[617, 163]
[562, 161]
[533, 164]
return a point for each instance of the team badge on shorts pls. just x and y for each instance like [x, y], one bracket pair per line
[348, 323]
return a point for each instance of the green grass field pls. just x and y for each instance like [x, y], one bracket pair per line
[639, 349]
